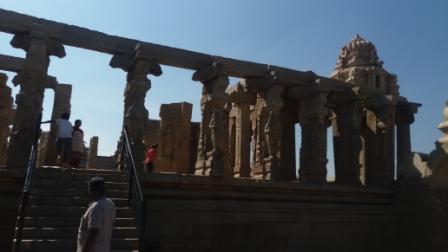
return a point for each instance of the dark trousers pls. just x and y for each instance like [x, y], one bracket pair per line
[149, 167]
[64, 148]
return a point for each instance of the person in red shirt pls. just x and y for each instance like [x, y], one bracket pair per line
[151, 158]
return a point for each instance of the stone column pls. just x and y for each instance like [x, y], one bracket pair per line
[289, 117]
[93, 153]
[380, 142]
[42, 148]
[260, 149]
[242, 139]
[273, 130]
[38, 46]
[347, 139]
[242, 101]
[232, 137]
[61, 104]
[314, 120]
[404, 118]
[135, 116]
[213, 125]
[6, 116]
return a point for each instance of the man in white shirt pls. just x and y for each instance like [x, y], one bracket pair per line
[95, 229]
[64, 138]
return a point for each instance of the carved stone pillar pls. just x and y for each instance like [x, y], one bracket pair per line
[243, 139]
[135, 114]
[404, 118]
[314, 120]
[242, 100]
[62, 96]
[6, 116]
[273, 131]
[204, 143]
[214, 128]
[289, 117]
[379, 141]
[232, 137]
[38, 46]
[213, 117]
[261, 117]
[93, 153]
[347, 142]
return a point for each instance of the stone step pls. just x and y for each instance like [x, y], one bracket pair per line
[33, 210]
[73, 192]
[34, 245]
[72, 232]
[70, 222]
[71, 183]
[76, 176]
[70, 201]
[76, 170]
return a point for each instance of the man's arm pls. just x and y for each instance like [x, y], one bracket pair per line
[49, 121]
[93, 233]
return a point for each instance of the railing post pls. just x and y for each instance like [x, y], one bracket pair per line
[26, 186]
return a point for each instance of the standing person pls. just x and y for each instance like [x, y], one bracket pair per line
[151, 158]
[64, 138]
[77, 144]
[95, 229]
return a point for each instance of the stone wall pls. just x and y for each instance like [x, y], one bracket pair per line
[186, 213]
[10, 192]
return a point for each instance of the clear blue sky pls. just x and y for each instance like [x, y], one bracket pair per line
[410, 36]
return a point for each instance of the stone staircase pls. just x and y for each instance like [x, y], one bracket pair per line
[57, 201]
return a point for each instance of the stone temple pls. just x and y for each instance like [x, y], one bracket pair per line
[229, 182]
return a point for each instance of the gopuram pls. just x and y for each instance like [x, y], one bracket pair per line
[233, 181]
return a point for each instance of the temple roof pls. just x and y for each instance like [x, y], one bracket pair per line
[358, 53]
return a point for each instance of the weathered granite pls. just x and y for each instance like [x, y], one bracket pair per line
[174, 138]
[93, 153]
[33, 79]
[6, 116]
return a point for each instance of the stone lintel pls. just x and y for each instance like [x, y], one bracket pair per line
[11, 63]
[329, 84]
[233, 67]
[347, 96]
[380, 101]
[288, 76]
[16, 23]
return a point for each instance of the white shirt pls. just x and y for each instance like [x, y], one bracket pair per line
[100, 215]
[65, 128]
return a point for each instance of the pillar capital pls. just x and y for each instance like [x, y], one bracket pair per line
[134, 61]
[238, 95]
[259, 83]
[39, 32]
[405, 112]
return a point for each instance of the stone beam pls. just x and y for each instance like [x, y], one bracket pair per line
[11, 63]
[16, 23]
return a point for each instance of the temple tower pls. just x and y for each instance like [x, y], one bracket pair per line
[359, 64]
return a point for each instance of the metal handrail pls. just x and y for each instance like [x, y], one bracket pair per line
[140, 206]
[26, 187]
